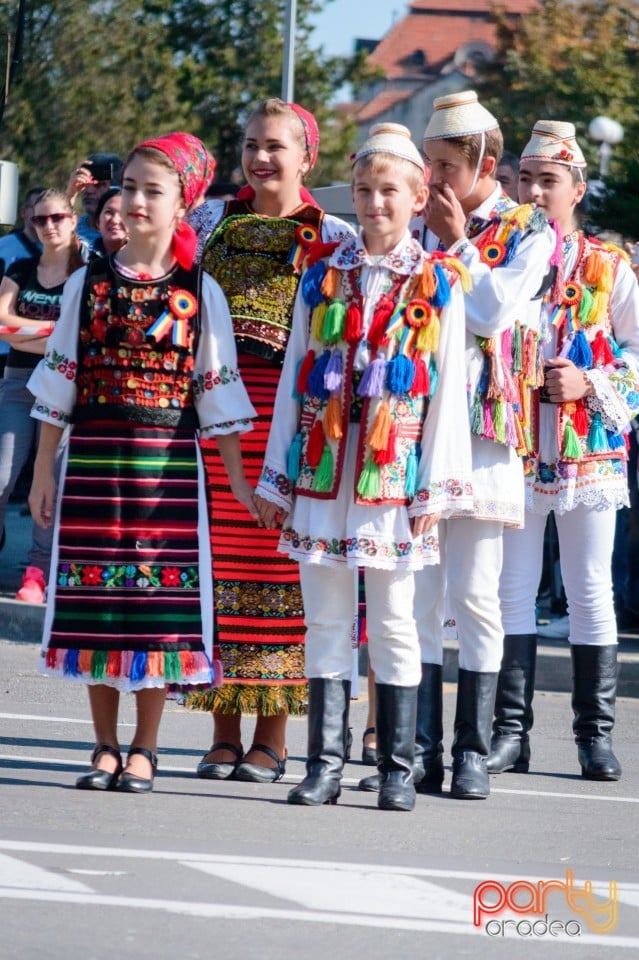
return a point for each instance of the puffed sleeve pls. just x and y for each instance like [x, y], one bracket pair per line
[444, 474]
[616, 386]
[274, 484]
[221, 400]
[333, 228]
[204, 219]
[53, 381]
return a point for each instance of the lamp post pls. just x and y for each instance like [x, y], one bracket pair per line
[608, 132]
[288, 66]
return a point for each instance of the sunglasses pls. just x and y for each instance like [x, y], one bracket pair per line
[41, 219]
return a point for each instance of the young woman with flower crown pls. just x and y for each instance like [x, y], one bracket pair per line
[142, 357]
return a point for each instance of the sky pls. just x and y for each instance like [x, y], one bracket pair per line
[343, 20]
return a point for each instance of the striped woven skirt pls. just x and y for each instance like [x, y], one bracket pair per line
[126, 605]
[258, 599]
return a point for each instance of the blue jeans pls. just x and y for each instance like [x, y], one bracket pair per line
[18, 437]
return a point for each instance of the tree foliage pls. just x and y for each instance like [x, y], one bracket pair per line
[100, 75]
[573, 61]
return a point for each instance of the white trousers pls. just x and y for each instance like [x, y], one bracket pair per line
[586, 539]
[471, 557]
[329, 598]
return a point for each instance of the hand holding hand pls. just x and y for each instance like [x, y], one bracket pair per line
[565, 382]
[244, 494]
[271, 515]
[424, 523]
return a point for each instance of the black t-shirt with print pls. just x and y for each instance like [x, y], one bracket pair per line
[34, 302]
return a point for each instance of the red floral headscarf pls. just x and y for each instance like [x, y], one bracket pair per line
[195, 167]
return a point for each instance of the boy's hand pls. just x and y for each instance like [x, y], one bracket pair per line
[565, 382]
[271, 515]
[424, 523]
[444, 215]
[42, 499]
[244, 494]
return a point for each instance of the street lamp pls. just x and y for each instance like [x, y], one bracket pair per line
[608, 132]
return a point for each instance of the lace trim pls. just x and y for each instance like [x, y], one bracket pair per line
[543, 501]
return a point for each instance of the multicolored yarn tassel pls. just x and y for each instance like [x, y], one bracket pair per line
[294, 458]
[602, 353]
[388, 454]
[311, 284]
[377, 438]
[571, 446]
[580, 353]
[369, 483]
[421, 382]
[441, 297]
[597, 437]
[333, 372]
[316, 386]
[323, 479]
[333, 418]
[333, 329]
[305, 367]
[329, 283]
[353, 324]
[315, 446]
[410, 480]
[372, 382]
[318, 317]
[400, 373]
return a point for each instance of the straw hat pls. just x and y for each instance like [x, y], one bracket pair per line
[458, 115]
[555, 141]
[392, 138]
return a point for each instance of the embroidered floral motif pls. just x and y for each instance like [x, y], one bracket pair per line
[272, 662]
[254, 599]
[214, 378]
[278, 480]
[61, 363]
[51, 414]
[126, 576]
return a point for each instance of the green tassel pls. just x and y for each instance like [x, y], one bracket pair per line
[323, 479]
[410, 481]
[572, 447]
[98, 664]
[369, 484]
[172, 666]
[294, 458]
[477, 419]
[586, 304]
[499, 421]
[517, 348]
[333, 329]
[597, 436]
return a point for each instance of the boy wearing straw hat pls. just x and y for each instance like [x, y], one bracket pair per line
[370, 451]
[506, 249]
[590, 346]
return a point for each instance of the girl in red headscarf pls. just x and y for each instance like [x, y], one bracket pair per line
[142, 357]
[254, 247]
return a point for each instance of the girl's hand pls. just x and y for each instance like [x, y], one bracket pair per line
[424, 523]
[565, 382]
[42, 498]
[271, 515]
[244, 494]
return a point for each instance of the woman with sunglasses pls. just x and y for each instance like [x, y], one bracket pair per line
[30, 296]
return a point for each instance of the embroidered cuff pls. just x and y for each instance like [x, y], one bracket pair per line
[606, 401]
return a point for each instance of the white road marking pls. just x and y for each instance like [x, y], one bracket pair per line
[17, 875]
[394, 897]
[43, 719]
[346, 781]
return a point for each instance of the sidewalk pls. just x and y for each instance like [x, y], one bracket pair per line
[22, 622]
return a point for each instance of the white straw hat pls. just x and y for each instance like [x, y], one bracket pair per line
[555, 141]
[459, 115]
[392, 138]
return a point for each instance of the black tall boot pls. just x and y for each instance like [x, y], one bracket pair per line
[471, 743]
[509, 745]
[594, 688]
[428, 769]
[328, 705]
[395, 718]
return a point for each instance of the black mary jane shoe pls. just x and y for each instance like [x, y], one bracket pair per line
[219, 771]
[252, 773]
[129, 783]
[369, 754]
[101, 779]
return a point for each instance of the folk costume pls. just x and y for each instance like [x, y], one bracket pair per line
[137, 365]
[369, 429]
[258, 600]
[578, 470]
[506, 251]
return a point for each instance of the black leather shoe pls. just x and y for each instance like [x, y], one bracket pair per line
[396, 791]
[369, 784]
[597, 761]
[254, 773]
[101, 779]
[129, 783]
[219, 771]
[314, 791]
[369, 754]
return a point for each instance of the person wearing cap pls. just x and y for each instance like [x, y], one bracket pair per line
[506, 249]
[82, 180]
[590, 347]
[143, 358]
[370, 451]
[253, 246]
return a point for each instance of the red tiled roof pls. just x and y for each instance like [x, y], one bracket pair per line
[383, 101]
[437, 31]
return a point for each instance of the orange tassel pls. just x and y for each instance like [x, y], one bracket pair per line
[333, 418]
[329, 283]
[428, 282]
[155, 663]
[388, 455]
[377, 439]
[593, 268]
[85, 661]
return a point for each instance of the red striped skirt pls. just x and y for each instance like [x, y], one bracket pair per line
[258, 599]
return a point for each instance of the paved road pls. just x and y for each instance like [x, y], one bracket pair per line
[229, 870]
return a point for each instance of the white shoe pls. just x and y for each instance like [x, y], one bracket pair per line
[555, 630]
